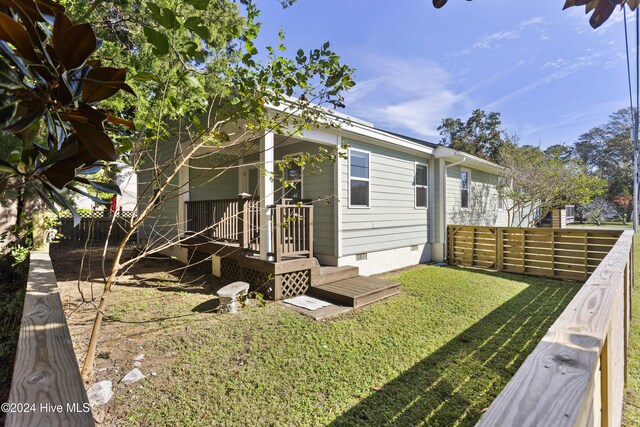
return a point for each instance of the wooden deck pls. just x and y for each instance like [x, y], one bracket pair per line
[355, 291]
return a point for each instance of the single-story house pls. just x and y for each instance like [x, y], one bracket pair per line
[384, 207]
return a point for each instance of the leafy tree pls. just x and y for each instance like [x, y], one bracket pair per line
[204, 83]
[480, 135]
[533, 183]
[599, 210]
[50, 96]
[607, 151]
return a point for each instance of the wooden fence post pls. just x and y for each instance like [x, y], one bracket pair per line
[243, 220]
[499, 247]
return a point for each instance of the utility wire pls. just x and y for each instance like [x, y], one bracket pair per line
[634, 117]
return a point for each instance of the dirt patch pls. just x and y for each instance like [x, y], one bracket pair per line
[157, 296]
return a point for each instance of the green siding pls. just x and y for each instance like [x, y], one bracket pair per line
[391, 221]
[208, 179]
[317, 184]
[163, 224]
[483, 199]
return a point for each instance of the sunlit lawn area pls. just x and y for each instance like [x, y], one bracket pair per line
[603, 225]
[439, 352]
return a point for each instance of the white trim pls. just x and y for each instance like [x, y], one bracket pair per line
[266, 194]
[339, 203]
[468, 171]
[293, 155]
[368, 153]
[416, 186]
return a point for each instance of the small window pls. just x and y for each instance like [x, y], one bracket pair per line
[464, 189]
[500, 203]
[293, 177]
[422, 194]
[359, 177]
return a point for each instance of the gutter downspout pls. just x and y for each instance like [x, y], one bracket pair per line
[443, 229]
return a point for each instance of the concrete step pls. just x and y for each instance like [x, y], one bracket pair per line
[324, 274]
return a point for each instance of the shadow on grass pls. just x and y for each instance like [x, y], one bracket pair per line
[453, 385]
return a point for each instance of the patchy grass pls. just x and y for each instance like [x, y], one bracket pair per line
[631, 410]
[439, 352]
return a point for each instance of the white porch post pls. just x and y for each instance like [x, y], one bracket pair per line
[266, 194]
[183, 196]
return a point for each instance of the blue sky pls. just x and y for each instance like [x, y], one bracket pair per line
[544, 69]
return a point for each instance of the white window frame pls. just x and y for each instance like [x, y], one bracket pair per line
[293, 156]
[368, 153]
[468, 171]
[416, 186]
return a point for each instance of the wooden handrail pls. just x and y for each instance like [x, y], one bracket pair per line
[46, 388]
[576, 374]
[238, 221]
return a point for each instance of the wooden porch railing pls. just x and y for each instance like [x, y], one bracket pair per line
[293, 231]
[237, 221]
[576, 375]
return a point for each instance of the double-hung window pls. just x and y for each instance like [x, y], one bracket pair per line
[465, 185]
[421, 189]
[359, 178]
[293, 180]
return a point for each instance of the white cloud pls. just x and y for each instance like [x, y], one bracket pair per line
[410, 94]
[533, 22]
[491, 41]
[561, 68]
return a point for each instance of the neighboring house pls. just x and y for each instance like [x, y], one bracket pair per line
[384, 207]
[559, 217]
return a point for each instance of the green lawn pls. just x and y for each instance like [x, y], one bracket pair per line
[603, 225]
[632, 394]
[440, 352]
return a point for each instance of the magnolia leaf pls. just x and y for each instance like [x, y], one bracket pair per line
[46, 200]
[14, 33]
[105, 187]
[439, 3]
[102, 83]
[62, 201]
[90, 196]
[8, 113]
[95, 140]
[61, 25]
[117, 120]
[602, 12]
[25, 121]
[158, 40]
[79, 43]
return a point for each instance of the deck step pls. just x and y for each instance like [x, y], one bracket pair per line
[325, 274]
[355, 291]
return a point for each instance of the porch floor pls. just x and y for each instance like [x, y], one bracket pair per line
[355, 291]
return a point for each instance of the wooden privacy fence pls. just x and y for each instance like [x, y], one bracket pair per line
[576, 375]
[95, 226]
[548, 252]
[46, 388]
